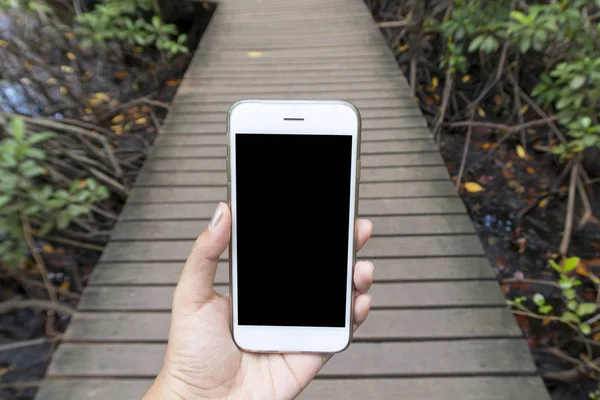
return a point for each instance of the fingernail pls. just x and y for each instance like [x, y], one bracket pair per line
[216, 218]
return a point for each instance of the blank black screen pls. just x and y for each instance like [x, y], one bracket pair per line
[293, 209]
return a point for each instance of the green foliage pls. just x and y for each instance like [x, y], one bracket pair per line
[23, 192]
[572, 310]
[36, 6]
[123, 21]
[562, 39]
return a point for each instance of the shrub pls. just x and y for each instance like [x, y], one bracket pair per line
[26, 196]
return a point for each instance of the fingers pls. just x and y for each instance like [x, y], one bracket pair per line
[363, 276]
[197, 278]
[362, 306]
[363, 279]
[364, 229]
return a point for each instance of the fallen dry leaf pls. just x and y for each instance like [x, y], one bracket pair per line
[65, 286]
[403, 48]
[481, 112]
[543, 202]
[521, 152]
[524, 109]
[466, 79]
[473, 187]
[118, 119]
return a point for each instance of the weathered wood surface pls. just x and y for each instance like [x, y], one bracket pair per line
[439, 328]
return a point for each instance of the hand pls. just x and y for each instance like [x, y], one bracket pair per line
[203, 362]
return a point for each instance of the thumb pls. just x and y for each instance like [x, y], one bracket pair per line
[195, 285]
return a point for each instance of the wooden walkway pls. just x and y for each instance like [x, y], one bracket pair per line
[439, 328]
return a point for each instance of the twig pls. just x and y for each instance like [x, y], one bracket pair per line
[587, 207]
[21, 344]
[110, 182]
[36, 256]
[445, 101]
[25, 281]
[530, 281]
[143, 100]
[19, 304]
[57, 125]
[517, 97]
[463, 161]
[566, 237]
[74, 243]
[395, 24]
[87, 125]
[501, 127]
[104, 213]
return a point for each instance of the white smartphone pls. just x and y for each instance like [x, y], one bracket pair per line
[293, 169]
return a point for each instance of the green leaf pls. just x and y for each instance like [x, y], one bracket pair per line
[577, 82]
[563, 103]
[32, 209]
[40, 137]
[539, 299]
[63, 220]
[571, 263]
[182, 39]
[585, 122]
[568, 316]
[586, 308]
[45, 228]
[585, 329]
[17, 128]
[476, 44]
[569, 293]
[545, 309]
[4, 200]
[36, 153]
[572, 305]
[525, 44]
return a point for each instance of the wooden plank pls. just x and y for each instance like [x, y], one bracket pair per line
[195, 116]
[367, 191]
[221, 117]
[193, 178]
[437, 388]
[284, 80]
[203, 98]
[381, 325]
[384, 295]
[378, 247]
[361, 104]
[309, 76]
[176, 139]
[161, 273]
[367, 208]
[463, 357]
[393, 146]
[386, 270]
[367, 161]
[367, 124]
[382, 226]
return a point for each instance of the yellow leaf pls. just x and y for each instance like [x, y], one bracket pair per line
[524, 109]
[48, 249]
[70, 35]
[139, 49]
[473, 187]
[82, 185]
[27, 64]
[530, 170]
[141, 121]
[71, 56]
[255, 54]
[3, 371]
[436, 97]
[65, 286]
[101, 96]
[466, 79]
[3, 43]
[52, 81]
[89, 111]
[118, 119]
[486, 146]
[543, 202]
[435, 82]
[66, 68]
[63, 90]
[521, 152]
[403, 48]
[113, 103]
[481, 112]
[44, 171]
[118, 129]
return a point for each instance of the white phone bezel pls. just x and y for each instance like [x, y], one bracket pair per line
[310, 118]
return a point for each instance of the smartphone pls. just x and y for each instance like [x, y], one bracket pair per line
[293, 170]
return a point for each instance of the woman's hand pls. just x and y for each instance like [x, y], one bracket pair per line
[203, 362]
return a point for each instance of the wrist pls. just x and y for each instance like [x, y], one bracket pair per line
[165, 387]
